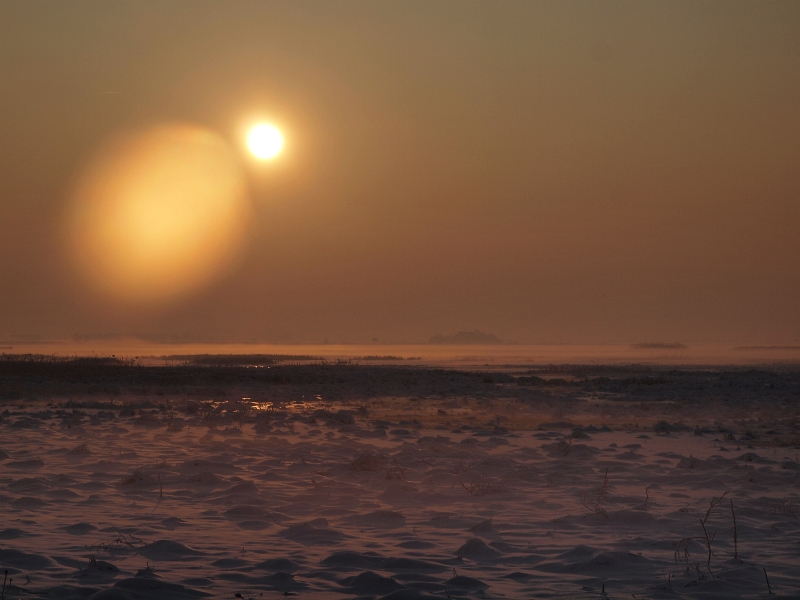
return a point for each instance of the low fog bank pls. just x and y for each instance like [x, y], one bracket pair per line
[441, 351]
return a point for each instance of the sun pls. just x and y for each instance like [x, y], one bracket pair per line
[265, 141]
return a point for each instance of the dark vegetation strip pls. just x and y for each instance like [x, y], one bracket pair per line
[26, 376]
[239, 360]
[35, 376]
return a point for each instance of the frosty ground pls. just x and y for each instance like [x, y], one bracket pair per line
[343, 481]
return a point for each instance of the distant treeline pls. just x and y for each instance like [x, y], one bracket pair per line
[660, 346]
[388, 357]
[239, 360]
[791, 348]
[52, 359]
[466, 337]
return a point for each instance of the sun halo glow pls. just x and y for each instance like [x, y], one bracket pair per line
[158, 214]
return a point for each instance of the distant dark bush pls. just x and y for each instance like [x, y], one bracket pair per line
[661, 428]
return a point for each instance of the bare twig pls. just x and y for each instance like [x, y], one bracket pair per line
[603, 488]
[593, 505]
[683, 544]
[128, 541]
[477, 488]
[786, 509]
[769, 587]
[709, 537]
[735, 534]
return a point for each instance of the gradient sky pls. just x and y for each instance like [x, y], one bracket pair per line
[545, 171]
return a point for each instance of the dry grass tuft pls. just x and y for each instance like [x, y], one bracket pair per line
[368, 461]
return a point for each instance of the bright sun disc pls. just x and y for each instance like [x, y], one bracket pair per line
[265, 141]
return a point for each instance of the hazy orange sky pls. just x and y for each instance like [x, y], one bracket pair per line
[544, 171]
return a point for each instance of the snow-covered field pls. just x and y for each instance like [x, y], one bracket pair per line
[481, 487]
